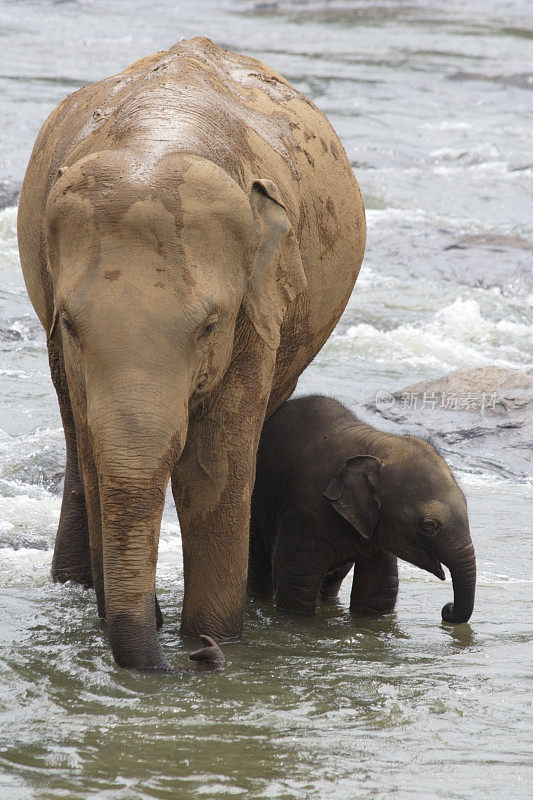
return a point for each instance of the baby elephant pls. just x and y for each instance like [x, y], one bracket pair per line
[332, 492]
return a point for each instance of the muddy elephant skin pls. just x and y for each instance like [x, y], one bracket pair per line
[190, 231]
[332, 492]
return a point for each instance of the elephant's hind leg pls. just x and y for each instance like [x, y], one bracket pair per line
[72, 555]
[375, 585]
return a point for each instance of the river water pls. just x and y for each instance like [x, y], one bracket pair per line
[433, 102]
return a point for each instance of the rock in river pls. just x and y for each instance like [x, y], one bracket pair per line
[480, 416]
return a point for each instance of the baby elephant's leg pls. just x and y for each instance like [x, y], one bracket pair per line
[375, 585]
[334, 578]
[259, 566]
[298, 571]
[259, 578]
[297, 590]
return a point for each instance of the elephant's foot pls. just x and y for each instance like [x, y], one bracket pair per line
[69, 574]
[373, 606]
[378, 603]
[224, 629]
[375, 585]
[67, 566]
[205, 659]
[302, 609]
[72, 553]
[297, 599]
[136, 646]
[294, 591]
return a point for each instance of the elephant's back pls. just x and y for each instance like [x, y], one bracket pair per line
[195, 97]
[240, 114]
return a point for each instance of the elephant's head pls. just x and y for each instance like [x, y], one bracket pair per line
[408, 503]
[154, 265]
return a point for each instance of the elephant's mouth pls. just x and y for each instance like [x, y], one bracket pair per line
[425, 560]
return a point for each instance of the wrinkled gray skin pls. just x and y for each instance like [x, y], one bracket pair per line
[332, 492]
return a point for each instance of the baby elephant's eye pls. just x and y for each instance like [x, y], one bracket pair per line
[429, 526]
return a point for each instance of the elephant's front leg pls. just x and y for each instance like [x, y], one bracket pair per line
[375, 585]
[72, 556]
[212, 486]
[212, 491]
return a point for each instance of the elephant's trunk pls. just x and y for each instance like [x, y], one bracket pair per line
[131, 519]
[134, 454]
[462, 565]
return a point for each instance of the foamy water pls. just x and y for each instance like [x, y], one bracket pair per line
[433, 104]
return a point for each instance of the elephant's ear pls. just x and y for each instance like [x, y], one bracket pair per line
[352, 493]
[277, 274]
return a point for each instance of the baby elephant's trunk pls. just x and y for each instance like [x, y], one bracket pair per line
[462, 565]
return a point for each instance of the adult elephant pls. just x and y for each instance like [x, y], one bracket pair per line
[190, 231]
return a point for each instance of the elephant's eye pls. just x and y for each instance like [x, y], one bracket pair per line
[208, 327]
[67, 323]
[429, 526]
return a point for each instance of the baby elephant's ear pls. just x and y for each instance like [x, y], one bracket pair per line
[352, 493]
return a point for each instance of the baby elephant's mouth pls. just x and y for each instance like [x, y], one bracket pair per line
[425, 560]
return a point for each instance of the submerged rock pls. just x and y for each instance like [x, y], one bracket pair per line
[494, 241]
[493, 262]
[481, 416]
